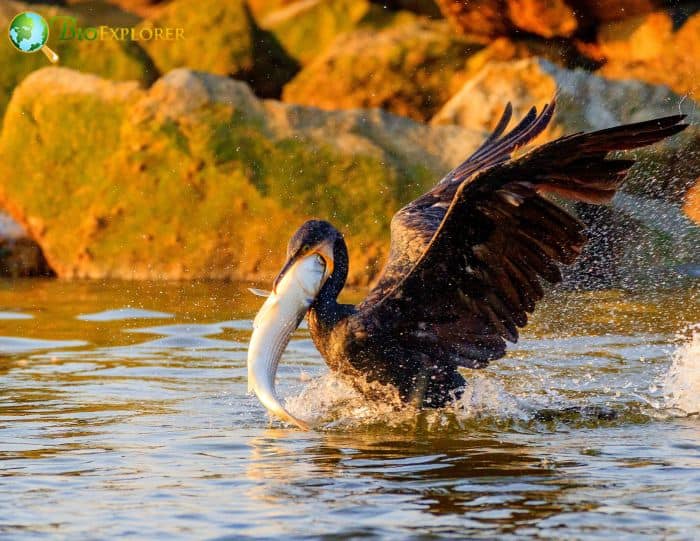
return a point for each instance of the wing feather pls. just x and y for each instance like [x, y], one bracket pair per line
[474, 273]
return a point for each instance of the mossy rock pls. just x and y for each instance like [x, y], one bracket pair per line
[117, 60]
[197, 178]
[221, 38]
[306, 29]
[410, 70]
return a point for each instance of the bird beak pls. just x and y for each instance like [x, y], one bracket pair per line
[324, 250]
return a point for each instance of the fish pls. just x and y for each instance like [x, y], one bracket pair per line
[280, 315]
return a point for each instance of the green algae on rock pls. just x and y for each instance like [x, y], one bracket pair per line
[197, 178]
[305, 29]
[221, 38]
[408, 69]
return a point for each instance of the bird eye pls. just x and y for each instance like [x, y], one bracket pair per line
[306, 248]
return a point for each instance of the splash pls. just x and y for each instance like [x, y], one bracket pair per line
[682, 382]
[328, 402]
[485, 397]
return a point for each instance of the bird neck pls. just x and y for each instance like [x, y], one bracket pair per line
[326, 309]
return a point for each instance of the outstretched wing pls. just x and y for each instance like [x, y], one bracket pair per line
[477, 278]
[414, 225]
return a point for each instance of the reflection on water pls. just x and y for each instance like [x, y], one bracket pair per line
[123, 313]
[124, 413]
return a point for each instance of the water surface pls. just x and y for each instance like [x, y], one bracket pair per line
[124, 414]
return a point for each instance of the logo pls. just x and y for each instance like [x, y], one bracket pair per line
[29, 33]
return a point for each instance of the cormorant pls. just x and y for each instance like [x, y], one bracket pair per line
[464, 266]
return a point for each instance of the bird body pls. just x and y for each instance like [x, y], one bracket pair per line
[466, 259]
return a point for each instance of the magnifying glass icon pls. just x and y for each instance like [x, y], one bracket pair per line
[29, 33]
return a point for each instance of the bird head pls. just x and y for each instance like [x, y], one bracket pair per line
[315, 238]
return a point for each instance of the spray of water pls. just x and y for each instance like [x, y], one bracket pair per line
[328, 402]
[681, 384]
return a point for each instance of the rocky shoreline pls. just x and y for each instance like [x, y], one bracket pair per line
[198, 168]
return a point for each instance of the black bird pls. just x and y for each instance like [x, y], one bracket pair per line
[464, 266]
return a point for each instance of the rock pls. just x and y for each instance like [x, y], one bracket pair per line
[197, 178]
[422, 7]
[144, 8]
[260, 8]
[645, 48]
[553, 18]
[636, 38]
[597, 11]
[691, 205]
[485, 17]
[20, 256]
[478, 104]
[10, 229]
[118, 60]
[559, 52]
[221, 38]
[305, 29]
[410, 70]
[546, 18]
[585, 102]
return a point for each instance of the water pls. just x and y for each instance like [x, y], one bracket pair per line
[124, 414]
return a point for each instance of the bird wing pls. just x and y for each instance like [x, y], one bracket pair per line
[478, 275]
[413, 227]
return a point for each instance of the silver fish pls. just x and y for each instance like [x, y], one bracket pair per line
[274, 324]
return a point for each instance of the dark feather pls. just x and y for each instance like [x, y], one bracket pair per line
[467, 257]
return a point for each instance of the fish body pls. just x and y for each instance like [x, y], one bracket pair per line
[273, 326]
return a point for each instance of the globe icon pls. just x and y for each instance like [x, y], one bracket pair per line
[29, 32]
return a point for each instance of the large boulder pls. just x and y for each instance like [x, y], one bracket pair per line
[306, 29]
[646, 48]
[118, 60]
[197, 178]
[221, 38]
[586, 102]
[409, 69]
[546, 18]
